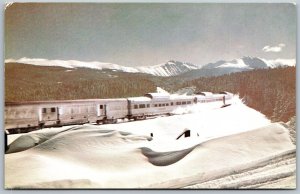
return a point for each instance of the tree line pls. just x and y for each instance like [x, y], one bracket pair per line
[270, 91]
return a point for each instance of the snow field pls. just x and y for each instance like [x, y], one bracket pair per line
[224, 142]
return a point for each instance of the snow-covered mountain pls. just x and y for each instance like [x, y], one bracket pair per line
[73, 64]
[237, 65]
[251, 63]
[171, 68]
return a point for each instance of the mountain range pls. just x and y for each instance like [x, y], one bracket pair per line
[170, 68]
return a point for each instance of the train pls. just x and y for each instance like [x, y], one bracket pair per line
[28, 116]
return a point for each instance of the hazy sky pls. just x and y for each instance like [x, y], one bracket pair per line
[149, 34]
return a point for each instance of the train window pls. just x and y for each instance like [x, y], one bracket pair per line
[155, 105]
[163, 104]
[178, 103]
[44, 110]
[183, 102]
[159, 105]
[142, 106]
[171, 103]
[101, 106]
[136, 106]
[189, 102]
[167, 104]
[53, 109]
[148, 105]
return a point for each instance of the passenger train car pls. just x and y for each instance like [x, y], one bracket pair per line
[27, 116]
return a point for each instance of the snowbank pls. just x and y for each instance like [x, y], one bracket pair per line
[124, 155]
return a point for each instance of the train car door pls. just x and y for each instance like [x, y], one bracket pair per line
[50, 114]
[105, 110]
[129, 107]
[101, 110]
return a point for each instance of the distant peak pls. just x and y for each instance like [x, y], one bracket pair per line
[249, 57]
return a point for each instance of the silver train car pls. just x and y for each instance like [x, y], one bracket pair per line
[28, 116]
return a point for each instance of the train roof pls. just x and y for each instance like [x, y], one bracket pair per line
[179, 97]
[139, 99]
[62, 101]
[158, 96]
[204, 93]
[224, 92]
[210, 93]
[146, 97]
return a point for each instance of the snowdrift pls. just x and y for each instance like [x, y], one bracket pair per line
[126, 156]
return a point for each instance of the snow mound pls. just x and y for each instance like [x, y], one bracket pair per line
[92, 157]
[221, 142]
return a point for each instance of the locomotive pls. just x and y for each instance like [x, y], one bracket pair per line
[28, 116]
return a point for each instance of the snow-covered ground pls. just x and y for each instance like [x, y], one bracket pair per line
[205, 121]
[223, 142]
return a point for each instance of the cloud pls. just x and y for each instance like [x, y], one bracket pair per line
[276, 49]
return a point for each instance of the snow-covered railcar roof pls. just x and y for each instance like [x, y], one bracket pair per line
[209, 97]
[200, 97]
[158, 96]
[224, 92]
[181, 97]
[218, 95]
[204, 93]
[139, 99]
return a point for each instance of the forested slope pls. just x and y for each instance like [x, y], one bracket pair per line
[29, 83]
[270, 91]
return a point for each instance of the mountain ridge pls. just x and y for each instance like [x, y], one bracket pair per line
[170, 68]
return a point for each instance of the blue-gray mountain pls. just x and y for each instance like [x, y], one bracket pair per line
[237, 65]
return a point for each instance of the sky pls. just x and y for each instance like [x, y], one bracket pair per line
[149, 34]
